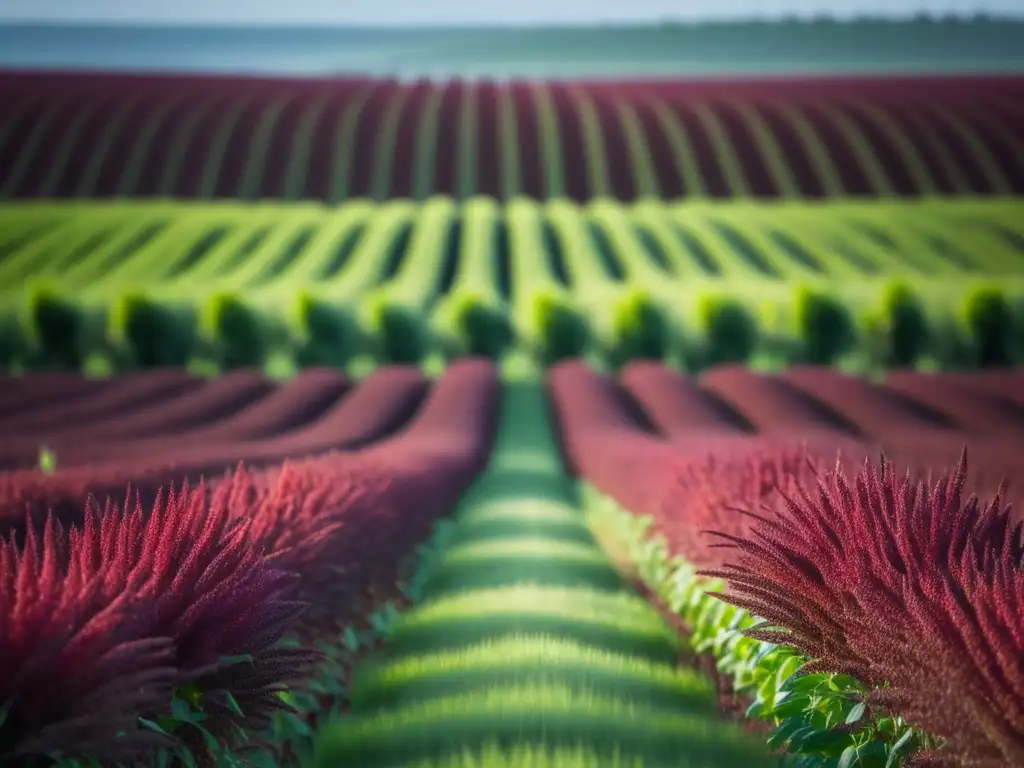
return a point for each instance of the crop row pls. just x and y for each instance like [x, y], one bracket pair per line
[331, 140]
[858, 573]
[72, 436]
[172, 635]
[141, 284]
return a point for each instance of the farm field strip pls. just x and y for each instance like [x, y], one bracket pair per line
[312, 416]
[658, 415]
[248, 281]
[666, 465]
[276, 248]
[928, 136]
[516, 650]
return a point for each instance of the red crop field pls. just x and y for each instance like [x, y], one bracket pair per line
[291, 508]
[98, 135]
[172, 427]
[636, 437]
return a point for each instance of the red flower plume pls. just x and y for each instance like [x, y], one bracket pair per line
[912, 590]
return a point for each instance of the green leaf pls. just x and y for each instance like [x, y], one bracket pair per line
[211, 742]
[765, 650]
[243, 658]
[849, 758]
[152, 726]
[856, 713]
[181, 710]
[789, 705]
[233, 704]
[350, 639]
[829, 742]
[805, 683]
[786, 670]
[800, 735]
[900, 743]
[785, 731]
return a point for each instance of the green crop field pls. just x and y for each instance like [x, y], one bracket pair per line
[127, 284]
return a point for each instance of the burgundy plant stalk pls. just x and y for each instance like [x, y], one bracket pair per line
[913, 590]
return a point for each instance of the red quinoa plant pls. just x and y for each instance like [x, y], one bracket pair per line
[913, 590]
[104, 624]
[308, 514]
[78, 667]
[708, 491]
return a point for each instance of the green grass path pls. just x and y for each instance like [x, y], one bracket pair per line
[528, 649]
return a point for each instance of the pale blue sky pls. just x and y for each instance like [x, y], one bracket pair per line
[445, 12]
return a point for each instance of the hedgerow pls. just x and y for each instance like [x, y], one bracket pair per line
[327, 334]
[52, 327]
[233, 331]
[150, 333]
[989, 325]
[901, 324]
[639, 327]
[824, 325]
[729, 329]
[480, 327]
[561, 329]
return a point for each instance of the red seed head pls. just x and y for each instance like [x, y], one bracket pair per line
[904, 586]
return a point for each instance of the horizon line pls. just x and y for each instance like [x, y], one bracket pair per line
[414, 26]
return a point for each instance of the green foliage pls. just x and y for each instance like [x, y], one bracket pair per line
[482, 328]
[989, 324]
[823, 324]
[639, 327]
[400, 331]
[10, 341]
[821, 718]
[153, 334]
[235, 330]
[47, 460]
[329, 335]
[902, 324]
[730, 329]
[561, 329]
[52, 325]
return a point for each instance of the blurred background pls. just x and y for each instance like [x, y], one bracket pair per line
[279, 184]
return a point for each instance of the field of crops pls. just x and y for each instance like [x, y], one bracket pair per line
[372, 423]
[115, 286]
[64, 135]
[287, 614]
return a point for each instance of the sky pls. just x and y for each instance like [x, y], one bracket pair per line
[461, 12]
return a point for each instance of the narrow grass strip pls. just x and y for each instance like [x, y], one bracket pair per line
[533, 756]
[582, 605]
[565, 531]
[548, 713]
[526, 546]
[516, 510]
[489, 574]
[525, 654]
